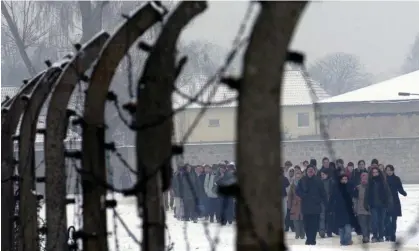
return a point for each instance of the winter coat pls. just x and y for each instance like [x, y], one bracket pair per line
[378, 194]
[359, 200]
[228, 178]
[312, 194]
[285, 184]
[351, 176]
[209, 185]
[294, 203]
[200, 189]
[332, 172]
[396, 187]
[190, 189]
[341, 205]
[177, 185]
[328, 185]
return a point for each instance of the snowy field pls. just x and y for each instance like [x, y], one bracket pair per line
[191, 236]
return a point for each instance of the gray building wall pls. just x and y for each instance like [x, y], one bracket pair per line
[403, 153]
[371, 119]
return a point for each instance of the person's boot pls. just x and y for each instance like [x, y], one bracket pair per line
[211, 218]
[322, 234]
[329, 234]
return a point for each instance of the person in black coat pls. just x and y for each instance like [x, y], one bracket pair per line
[340, 204]
[326, 218]
[378, 201]
[396, 187]
[340, 168]
[226, 177]
[358, 171]
[190, 197]
[311, 191]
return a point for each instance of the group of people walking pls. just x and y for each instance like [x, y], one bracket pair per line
[338, 199]
[333, 199]
[194, 193]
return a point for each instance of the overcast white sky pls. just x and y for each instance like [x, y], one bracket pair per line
[380, 33]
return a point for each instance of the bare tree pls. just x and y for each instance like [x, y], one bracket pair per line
[203, 61]
[40, 30]
[411, 62]
[24, 36]
[339, 73]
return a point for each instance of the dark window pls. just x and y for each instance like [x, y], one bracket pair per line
[303, 119]
[213, 123]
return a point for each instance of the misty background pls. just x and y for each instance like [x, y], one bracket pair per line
[348, 45]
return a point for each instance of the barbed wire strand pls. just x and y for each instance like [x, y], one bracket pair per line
[195, 99]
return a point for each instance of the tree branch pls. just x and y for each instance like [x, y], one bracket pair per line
[18, 40]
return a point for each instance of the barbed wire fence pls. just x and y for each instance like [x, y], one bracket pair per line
[91, 180]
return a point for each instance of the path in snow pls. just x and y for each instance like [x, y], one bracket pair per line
[181, 233]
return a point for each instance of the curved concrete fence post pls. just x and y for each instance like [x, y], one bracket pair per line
[26, 166]
[93, 157]
[11, 114]
[258, 149]
[54, 148]
[5, 104]
[154, 144]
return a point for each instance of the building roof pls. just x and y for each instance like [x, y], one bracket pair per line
[8, 91]
[76, 101]
[386, 91]
[294, 92]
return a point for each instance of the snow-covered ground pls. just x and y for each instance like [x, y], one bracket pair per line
[192, 236]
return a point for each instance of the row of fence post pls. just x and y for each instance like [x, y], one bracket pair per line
[258, 134]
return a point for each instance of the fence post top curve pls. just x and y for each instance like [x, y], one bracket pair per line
[102, 34]
[75, 62]
[110, 56]
[25, 89]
